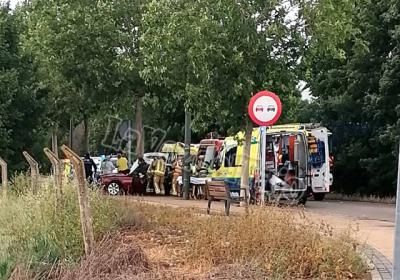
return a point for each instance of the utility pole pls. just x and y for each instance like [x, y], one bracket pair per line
[129, 142]
[186, 170]
[396, 263]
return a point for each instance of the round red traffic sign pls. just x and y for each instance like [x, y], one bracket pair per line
[265, 108]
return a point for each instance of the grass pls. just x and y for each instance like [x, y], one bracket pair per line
[274, 240]
[141, 241]
[362, 198]
[36, 233]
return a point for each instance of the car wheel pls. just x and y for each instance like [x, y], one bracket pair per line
[113, 188]
[319, 196]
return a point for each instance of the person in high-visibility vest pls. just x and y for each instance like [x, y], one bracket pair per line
[177, 166]
[122, 164]
[67, 169]
[158, 168]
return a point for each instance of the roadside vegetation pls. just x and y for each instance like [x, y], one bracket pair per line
[37, 233]
[42, 240]
[362, 198]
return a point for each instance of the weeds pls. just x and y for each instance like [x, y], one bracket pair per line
[40, 238]
[362, 198]
[273, 240]
[112, 257]
[36, 231]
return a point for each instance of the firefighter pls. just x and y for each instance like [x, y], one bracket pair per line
[177, 166]
[158, 168]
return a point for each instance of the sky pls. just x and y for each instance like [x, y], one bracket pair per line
[12, 2]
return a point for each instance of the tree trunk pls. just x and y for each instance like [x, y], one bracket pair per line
[139, 128]
[71, 133]
[86, 136]
[244, 176]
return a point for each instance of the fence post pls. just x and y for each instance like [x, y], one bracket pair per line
[4, 177]
[56, 164]
[85, 215]
[34, 167]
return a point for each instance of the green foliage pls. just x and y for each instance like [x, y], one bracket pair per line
[213, 55]
[21, 98]
[357, 94]
[87, 54]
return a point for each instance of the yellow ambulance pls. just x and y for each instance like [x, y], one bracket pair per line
[297, 161]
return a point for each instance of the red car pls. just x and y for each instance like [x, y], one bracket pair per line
[115, 184]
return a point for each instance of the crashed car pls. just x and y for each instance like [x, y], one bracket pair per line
[118, 183]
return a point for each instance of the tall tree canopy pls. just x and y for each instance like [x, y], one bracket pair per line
[215, 54]
[357, 93]
[21, 98]
[87, 53]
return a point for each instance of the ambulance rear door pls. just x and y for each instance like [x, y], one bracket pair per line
[321, 176]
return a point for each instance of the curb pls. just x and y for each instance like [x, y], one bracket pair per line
[382, 266]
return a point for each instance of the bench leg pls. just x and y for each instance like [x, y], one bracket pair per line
[227, 206]
[209, 205]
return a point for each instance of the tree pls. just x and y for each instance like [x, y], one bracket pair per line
[357, 90]
[87, 53]
[214, 55]
[22, 101]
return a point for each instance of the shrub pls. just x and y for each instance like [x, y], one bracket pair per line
[20, 184]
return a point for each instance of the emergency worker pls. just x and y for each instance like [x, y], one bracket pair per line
[177, 169]
[158, 170]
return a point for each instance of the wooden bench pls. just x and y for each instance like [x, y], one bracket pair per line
[218, 190]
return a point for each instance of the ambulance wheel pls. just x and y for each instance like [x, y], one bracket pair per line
[319, 196]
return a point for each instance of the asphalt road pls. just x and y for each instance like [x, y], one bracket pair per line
[354, 210]
[374, 222]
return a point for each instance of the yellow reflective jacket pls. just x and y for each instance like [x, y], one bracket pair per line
[159, 167]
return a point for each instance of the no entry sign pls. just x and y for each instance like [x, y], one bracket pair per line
[265, 108]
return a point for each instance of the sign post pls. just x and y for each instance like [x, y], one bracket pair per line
[263, 148]
[396, 263]
[264, 109]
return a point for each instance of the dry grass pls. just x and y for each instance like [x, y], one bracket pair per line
[362, 198]
[269, 243]
[152, 242]
[35, 233]
[114, 256]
